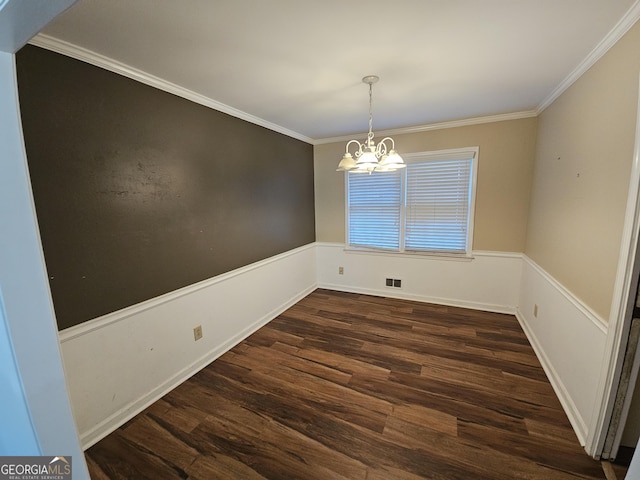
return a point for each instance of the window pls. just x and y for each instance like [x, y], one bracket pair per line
[426, 207]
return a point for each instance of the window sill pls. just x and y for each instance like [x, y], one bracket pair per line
[460, 257]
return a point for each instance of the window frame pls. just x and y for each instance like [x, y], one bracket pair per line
[470, 153]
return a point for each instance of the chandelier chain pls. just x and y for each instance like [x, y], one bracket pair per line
[370, 135]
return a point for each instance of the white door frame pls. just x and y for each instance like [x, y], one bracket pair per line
[621, 310]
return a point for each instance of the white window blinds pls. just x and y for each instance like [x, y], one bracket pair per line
[437, 210]
[374, 204]
[427, 206]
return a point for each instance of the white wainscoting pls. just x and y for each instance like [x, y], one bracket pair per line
[569, 339]
[118, 364]
[489, 281]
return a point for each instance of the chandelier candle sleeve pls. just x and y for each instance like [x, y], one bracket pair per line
[370, 157]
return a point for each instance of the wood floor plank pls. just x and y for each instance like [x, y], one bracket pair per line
[560, 433]
[344, 364]
[480, 461]
[551, 454]
[348, 386]
[427, 417]
[266, 446]
[328, 397]
[151, 434]
[266, 359]
[120, 459]
[221, 467]
[510, 406]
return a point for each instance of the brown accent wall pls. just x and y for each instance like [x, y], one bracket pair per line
[139, 192]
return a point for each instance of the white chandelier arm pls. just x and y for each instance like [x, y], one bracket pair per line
[358, 151]
[382, 148]
[393, 145]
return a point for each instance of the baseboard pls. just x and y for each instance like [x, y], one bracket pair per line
[569, 339]
[570, 408]
[119, 418]
[399, 294]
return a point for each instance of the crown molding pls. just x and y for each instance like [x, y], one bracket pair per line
[436, 126]
[50, 43]
[616, 33]
[93, 58]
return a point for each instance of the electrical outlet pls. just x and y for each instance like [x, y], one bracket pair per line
[397, 283]
[340, 270]
[197, 333]
[389, 282]
[535, 310]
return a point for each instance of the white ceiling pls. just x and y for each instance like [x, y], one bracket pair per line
[298, 64]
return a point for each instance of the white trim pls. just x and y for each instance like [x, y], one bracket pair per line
[110, 424]
[570, 408]
[461, 153]
[475, 253]
[106, 320]
[396, 293]
[360, 274]
[93, 58]
[460, 257]
[619, 321]
[331, 244]
[472, 200]
[436, 126]
[572, 370]
[439, 256]
[616, 33]
[495, 254]
[596, 319]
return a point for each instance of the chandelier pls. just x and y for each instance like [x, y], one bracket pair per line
[369, 156]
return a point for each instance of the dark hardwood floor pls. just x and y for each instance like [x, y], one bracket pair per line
[346, 386]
